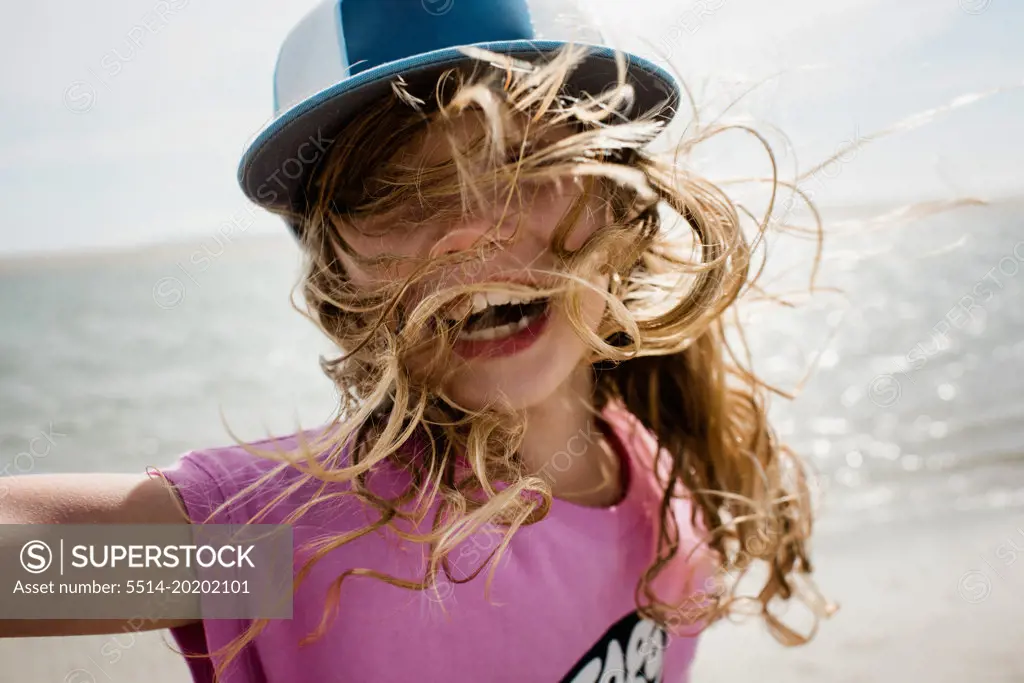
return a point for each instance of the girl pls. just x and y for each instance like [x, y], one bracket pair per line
[546, 458]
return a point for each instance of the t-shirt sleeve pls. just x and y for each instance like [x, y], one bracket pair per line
[200, 481]
[204, 480]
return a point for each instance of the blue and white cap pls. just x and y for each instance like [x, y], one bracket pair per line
[344, 54]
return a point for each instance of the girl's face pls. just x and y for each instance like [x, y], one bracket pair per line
[514, 350]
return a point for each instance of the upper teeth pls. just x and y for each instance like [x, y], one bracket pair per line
[481, 300]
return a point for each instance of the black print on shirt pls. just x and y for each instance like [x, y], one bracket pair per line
[630, 651]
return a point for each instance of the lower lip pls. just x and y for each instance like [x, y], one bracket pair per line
[512, 344]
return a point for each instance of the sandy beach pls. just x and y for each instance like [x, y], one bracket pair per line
[920, 601]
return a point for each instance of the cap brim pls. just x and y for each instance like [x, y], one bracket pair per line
[274, 167]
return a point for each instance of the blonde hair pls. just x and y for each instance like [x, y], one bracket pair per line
[661, 350]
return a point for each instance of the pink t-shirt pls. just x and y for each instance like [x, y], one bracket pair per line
[561, 608]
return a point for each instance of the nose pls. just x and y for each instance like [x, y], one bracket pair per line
[472, 234]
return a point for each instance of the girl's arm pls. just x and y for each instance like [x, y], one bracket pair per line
[85, 499]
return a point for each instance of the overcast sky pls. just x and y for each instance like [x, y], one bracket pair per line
[106, 144]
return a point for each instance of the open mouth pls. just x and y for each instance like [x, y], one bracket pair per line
[496, 315]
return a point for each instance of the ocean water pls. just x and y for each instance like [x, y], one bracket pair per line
[914, 406]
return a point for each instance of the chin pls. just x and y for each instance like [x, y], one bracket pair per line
[516, 373]
[524, 379]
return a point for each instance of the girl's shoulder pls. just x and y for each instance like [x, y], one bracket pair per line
[256, 482]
